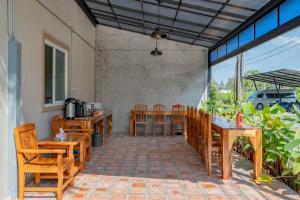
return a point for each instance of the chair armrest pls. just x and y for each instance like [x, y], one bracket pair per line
[42, 151]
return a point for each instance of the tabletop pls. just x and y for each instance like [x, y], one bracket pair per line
[229, 124]
[69, 138]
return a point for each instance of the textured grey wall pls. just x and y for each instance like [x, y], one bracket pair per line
[126, 73]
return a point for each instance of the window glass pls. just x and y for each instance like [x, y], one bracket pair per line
[55, 74]
[222, 51]
[60, 76]
[259, 96]
[48, 74]
[232, 44]
[266, 23]
[289, 10]
[213, 55]
[246, 35]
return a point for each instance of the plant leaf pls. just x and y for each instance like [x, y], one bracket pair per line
[292, 144]
[296, 168]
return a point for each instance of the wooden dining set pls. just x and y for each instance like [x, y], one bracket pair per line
[140, 115]
[212, 137]
[56, 158]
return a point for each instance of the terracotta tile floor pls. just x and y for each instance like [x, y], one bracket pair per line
[155, 168]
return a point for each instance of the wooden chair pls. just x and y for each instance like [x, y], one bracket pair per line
[195, 131]
[30, 160]
[140, 117]
[72, 127]
[159, 117]
[188, 124]
[178, 119]
[212, 147]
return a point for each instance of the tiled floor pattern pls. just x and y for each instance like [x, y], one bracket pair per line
[161, 168]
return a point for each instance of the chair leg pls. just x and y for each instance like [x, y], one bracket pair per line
[145, 129]
[60, 179]
[134, 129]
[21, 184]
[172, 129]
[153, 131]
[37, 178]
[164, 127]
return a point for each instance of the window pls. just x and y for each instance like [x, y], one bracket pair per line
[55, 74]
[259, 96]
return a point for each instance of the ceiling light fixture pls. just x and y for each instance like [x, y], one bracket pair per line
[156, 52]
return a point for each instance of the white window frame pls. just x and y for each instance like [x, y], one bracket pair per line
[66, 52]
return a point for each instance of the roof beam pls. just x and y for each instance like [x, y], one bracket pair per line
[112, 10]
[150, 28]
[167, 28]
[209, 10]
[209, 23]
[175, 17]
[162, 17]
[86, 10]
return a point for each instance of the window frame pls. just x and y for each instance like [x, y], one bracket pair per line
[56, 45]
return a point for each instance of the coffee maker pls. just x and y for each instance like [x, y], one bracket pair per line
[70, 104]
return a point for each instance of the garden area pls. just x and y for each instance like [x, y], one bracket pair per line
[281, 130]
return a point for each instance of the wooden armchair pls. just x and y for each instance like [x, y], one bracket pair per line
[159, 117]
[30, 160]
[140, 117]
[71, 127]
[178, 119]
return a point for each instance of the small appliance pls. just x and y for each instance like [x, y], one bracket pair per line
[70, 108]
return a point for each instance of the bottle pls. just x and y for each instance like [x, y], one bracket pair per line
[239, 119]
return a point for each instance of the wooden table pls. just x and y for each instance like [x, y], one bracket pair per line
[149, 113]
[97, 121]
[70, 141]
[229, 132]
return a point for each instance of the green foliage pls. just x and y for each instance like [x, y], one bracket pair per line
[280, 139]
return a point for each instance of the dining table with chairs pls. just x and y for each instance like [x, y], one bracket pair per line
[144, 117]
[212, 137]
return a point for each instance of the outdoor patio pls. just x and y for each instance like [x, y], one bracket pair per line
[149, 99]
[162, 168]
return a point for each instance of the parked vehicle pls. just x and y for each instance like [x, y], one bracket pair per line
[263, 98]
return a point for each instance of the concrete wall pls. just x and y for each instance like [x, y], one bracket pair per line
[3, 99]
[65, 21]
[126, 73]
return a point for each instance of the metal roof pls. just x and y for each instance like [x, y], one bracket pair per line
[197, 22]
[283, 77]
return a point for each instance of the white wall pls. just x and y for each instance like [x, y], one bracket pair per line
[126, 73]
[65, 21]
[32, 18]
[3, 99]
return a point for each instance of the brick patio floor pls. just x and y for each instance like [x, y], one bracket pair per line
[167, 168]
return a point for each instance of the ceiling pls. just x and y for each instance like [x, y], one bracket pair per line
[196, 22]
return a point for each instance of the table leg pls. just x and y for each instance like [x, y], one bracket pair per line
[131, 124]
[109, 125]
[257, 144]
[101, 125]
[81, 156]
[226, 154]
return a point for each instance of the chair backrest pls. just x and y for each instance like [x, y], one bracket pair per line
[57, 123]
[178, 114]
[25, 138]
[80, 124]
[188, 120]
[159, 113]
[207, 129]
[140, 113]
